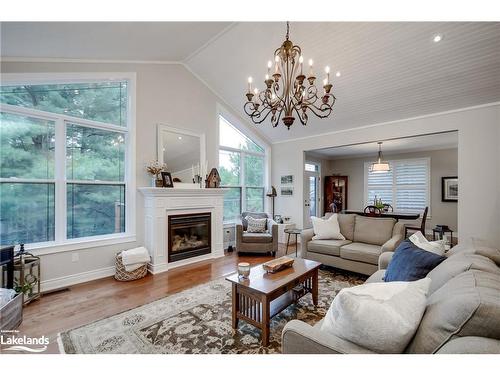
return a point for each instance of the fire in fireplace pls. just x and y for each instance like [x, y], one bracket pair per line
[189, 235]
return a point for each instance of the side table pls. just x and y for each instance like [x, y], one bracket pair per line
[295, 232]
[282, 236]
[442, 231]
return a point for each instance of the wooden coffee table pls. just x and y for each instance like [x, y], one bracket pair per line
[263, 295]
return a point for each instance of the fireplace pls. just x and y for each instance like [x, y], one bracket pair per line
[189, 235]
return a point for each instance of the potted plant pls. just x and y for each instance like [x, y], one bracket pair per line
[155, 169]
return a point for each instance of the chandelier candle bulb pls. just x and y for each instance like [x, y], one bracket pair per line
[269, 66]
[311, 67]
[327, 71]
[301, 62]
[250, 84]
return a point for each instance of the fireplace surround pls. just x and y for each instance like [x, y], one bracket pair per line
[162, 205]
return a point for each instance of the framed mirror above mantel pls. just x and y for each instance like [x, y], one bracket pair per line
[181, 150]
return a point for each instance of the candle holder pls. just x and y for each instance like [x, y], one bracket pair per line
[243, 270]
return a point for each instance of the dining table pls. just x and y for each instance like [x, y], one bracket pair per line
[394, 215]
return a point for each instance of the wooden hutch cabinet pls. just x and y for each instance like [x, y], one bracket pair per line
[335, 193]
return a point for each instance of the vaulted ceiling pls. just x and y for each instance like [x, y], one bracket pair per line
[138, 41]
[389, 71]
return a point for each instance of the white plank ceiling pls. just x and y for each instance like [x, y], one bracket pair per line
[389, 71]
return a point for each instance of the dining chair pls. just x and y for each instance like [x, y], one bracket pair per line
[372, 211]
[421, 228]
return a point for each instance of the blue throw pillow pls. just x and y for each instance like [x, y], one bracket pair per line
[410, 263]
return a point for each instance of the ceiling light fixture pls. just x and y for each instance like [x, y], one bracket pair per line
[437, 38]
[380, 166]
[179, 138]
[288, 92]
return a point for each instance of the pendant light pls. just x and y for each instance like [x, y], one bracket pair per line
[380, 166]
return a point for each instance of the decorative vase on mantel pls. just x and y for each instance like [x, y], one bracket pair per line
[154, 169]
[156, 182]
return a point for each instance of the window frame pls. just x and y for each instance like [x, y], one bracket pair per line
[394, 186]
[61, 243]
[243, 153]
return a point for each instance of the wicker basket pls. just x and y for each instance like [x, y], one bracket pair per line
[122, 275]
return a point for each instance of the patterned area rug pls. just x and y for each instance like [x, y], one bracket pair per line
[197, 320]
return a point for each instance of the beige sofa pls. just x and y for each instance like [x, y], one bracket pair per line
[462, 314]
[365, 239]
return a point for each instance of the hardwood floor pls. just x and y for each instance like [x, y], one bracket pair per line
[98, 299]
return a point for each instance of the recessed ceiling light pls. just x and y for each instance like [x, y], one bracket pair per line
[337, 74]
[179, 137]
[437, 38]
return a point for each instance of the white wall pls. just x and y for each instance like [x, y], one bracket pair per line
[478, 162]
[166, 93]
[443, 163]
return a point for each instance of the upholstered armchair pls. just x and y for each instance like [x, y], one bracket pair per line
[266, 242]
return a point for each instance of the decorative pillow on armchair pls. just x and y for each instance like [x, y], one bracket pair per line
[410, 263]
[256, 225]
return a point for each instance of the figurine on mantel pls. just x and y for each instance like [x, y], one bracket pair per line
[213, 179]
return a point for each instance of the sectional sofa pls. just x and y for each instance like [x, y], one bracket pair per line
[462, 314]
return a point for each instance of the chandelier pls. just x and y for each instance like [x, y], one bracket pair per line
[289, 93]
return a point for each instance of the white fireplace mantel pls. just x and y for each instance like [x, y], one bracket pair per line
[159, 203]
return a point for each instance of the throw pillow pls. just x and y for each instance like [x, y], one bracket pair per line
[436, 247]
[256, 225]
[328, 229]
[382, 317]
[411, 263]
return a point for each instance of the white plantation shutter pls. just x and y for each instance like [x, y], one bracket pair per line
[405, 187]
[379, 185]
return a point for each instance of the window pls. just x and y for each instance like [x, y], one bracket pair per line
[241, 167]
[405, 186]
[311, 167]
[63, 150]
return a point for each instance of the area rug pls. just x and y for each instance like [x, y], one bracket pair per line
[197, 320]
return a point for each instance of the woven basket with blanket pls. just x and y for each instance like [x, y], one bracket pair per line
[131, 264]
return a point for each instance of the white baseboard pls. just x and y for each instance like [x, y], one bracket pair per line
[65, 281]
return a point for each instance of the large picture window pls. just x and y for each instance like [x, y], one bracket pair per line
[63, 150]
[406, 186]
[242, 170]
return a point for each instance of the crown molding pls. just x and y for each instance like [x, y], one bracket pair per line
[227, 105]
[86, 61]
[210, 41]
[492, 104]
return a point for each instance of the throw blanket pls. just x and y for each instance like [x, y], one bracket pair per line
[134, 258]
